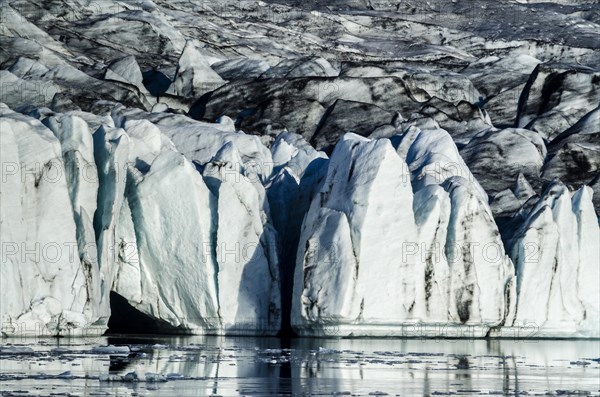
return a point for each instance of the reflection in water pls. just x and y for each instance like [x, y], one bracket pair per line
[205, 366]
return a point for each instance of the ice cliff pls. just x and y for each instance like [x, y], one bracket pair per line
[378, 256]
[388, 235]
[195, 251]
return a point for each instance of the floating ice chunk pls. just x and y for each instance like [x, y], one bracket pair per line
[111, 349]
[10, 350]
[153, 377]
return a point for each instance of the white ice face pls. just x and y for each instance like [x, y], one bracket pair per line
[556, 254]
[432, 256]
[49, 282]
[157, 235]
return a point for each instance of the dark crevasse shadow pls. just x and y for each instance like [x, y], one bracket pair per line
[156, 82]
[198, 108]
[257, 271]
[288, 223]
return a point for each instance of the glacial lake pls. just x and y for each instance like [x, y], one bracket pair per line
[220, 366]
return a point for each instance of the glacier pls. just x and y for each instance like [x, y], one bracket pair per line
[193, 236]
[269, 168]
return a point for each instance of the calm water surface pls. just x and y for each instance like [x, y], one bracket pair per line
[217, 366]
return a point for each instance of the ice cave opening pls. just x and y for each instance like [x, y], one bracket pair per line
[126, 319]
